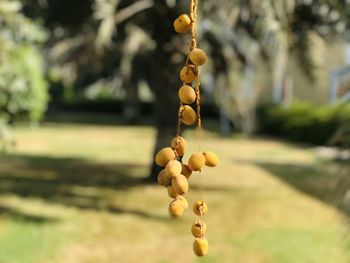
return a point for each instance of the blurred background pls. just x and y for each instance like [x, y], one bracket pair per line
[88, 93]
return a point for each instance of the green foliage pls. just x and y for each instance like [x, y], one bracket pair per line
[310, 49]
[22, 85]
[23, 91]
[303, 121]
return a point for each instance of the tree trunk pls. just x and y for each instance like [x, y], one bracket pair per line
[131, 107]
[165, 87]
[167, 60]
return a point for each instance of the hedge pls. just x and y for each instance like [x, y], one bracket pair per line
[302, 121]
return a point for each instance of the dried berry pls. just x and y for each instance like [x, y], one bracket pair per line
[176, 208]
[188, 74]
[160, 177]
[186, 171]
[164, 156]
[199, 228]
[196, 161]
[183, 200]
[180, 184]
[173, 168]
[187, 94]
[188, 115]
[211, 159]
[182, 23]
[166, 178]
[179, 144]
[171, 192]
[200, 246]
[198, 56]
[200, 208]
[176, 174]
[163, 178]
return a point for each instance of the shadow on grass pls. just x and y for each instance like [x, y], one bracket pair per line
[221, 188]
[71, 182]
[17, 215]
[329, 182]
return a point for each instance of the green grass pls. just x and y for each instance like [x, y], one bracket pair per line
[315, 245]
[74, 194]
[29, 242]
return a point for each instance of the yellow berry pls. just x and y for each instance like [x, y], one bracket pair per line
[188, 115]
[183, 200]
[173, 168]
[160, 177]
[163, 178]
[166, 178]
[200, 246]
[182, 23]
[164, 156]
[187, 94]
[200, 208]
[171, 192]
[176, 208]
[211, 159]
[186, 171]
[180, 184]
[198, 56]
[196, 161]
[188, 74]
[179, 144]
[199, 228]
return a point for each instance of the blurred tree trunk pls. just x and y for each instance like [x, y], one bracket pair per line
[166, 64]
[165, 109]
[131, 107]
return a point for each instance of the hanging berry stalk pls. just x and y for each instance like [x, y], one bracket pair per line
[176, 173]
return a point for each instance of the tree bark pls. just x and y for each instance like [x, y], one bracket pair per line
[131, 107]
[165, 87]
[168, 58]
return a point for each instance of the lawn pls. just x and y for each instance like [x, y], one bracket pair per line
[74, 194]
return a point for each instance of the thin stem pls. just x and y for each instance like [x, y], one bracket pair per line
[193, 44]
[179, 119]
[198, 102]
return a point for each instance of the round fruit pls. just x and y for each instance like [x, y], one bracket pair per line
[183, 200]
[179, 144]
[160, 177]
[166, 178]
[188, 115]
[196, 161]
[200, 246]
[180, 184]
[173, 168]
[176, 208]
[171, 192]
[198, 56]
[187, 74]
[186, 171]
[164, 156]
[163, 178]
[200, 208]
[182, 23]
[211, 159]
[199, 228]
[187, 94]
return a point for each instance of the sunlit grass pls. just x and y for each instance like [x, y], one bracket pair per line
[29, 242]
[72, 193]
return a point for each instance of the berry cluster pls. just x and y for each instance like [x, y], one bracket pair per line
[176, 173]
